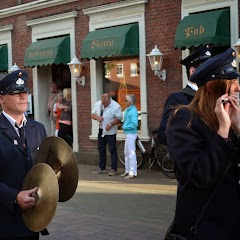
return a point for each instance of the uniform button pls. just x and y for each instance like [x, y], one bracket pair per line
[238, 164]
[239, 181]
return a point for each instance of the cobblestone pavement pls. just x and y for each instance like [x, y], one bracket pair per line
[107, 208]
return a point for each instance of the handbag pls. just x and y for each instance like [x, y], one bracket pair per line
[171, 235]
[171, 232]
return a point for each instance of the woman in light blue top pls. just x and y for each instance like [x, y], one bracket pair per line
[129, 127]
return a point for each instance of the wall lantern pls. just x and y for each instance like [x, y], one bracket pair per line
[237, 46]
[13, 68]
[156, 59]
[75, 67]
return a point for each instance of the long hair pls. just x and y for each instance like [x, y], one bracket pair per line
[67, 93]
[204, 102]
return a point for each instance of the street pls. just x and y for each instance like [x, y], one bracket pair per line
[107, 208]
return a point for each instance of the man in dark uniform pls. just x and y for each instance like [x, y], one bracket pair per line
[20, 138]
[186, 95]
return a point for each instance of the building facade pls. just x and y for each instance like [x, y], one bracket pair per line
[111, 38]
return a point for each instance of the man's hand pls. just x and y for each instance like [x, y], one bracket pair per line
[25, 198]
[100, 118]
[108, 127]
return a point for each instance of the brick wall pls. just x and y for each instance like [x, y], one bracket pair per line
[162, 18]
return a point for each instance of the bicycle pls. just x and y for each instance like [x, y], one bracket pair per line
[159, 153]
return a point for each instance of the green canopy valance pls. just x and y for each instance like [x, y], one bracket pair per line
[113, 41]
[47, 52]
[211, 27]
[3, 57]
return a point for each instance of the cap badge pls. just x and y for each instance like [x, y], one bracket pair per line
[20, 74]
[234, 63]
[19, 81]
[208, 53]
[234, 54]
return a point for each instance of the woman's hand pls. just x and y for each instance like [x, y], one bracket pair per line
[60, 106]
[234, 113]
[222, 112]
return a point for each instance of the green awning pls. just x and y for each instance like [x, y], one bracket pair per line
[48, 52]
[3, 57]
[204, 28]
[114, 41]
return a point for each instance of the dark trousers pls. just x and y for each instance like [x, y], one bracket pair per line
[102, 143]
[65, 132]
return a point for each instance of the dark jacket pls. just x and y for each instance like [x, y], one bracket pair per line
[14, 165]
[201, 157]
[174, 99]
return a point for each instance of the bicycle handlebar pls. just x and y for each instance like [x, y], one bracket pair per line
[140, 113]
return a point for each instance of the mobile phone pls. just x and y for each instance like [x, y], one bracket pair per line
[225, 100]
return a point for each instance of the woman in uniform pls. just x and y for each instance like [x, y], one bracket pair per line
[203, 140]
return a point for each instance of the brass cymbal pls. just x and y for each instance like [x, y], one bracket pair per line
[42, 176]
[58, 154]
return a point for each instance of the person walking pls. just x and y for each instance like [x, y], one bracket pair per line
[186, 95]
[130, 125]
[20, 138]
[108, 113]
[203, 140]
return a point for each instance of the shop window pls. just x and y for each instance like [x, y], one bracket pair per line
[134, 69]
[120, 73]
[118, 86]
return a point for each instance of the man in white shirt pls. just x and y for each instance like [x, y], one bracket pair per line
[108, 113]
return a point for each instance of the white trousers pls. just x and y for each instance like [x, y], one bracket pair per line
[130, 154]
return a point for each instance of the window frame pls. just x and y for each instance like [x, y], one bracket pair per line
[135, 74]
[117, 14]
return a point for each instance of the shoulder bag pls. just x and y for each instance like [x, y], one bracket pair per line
[171, 232]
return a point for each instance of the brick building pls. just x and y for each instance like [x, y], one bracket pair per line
[76, 27]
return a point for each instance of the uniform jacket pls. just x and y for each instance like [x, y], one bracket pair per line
[201, 157]
[174, 99]
[14, 165]
[130, 122]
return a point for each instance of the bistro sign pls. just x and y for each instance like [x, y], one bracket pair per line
[194, 31]
[102, 44]
[42, 54]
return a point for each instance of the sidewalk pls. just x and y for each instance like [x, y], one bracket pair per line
[108, 208]
[147, 181]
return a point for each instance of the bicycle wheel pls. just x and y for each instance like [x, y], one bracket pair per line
[121, 157]
[159, 152]
[168, 166]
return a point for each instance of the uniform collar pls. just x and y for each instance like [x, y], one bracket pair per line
[13, 121]
[193, 86]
